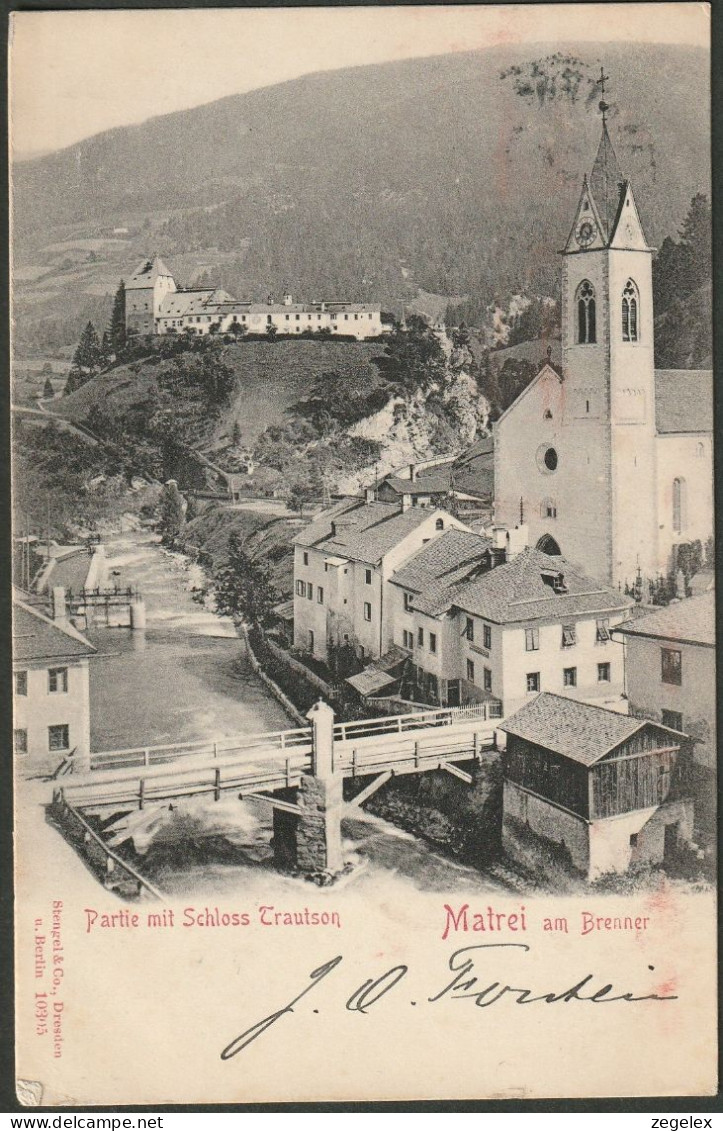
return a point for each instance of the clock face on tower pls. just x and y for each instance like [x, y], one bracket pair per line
[585, 233]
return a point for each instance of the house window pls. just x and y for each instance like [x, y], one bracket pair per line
[407, 602]
[548, 509]
[326, 567]
[368, 576]
[432, 642]
[469, 629]
[439, 524]
[420, 637]
[20, 741]
[21, 683]
[470, 671]
[602, 631]
[58, 737]
[569, 677]
[634, 840]
[547, 415]
[630, 312]
[672, 666]
[533, 681]
[680, 500]
[672, 719]
[569, 636]
[367, 611]
[57, 680]
[311, 641]
[585, 299]
[306, 559]
[301, 588]
[320, 595]
[603, 673]
[310, 592]
[408, 638]
[532, 639]
[486, 636]
[487, 679]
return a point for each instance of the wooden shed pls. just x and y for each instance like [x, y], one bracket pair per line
[607, 787]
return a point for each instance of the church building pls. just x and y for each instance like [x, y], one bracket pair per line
[608, 462]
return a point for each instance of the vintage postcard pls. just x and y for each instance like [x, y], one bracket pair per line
[363, 552]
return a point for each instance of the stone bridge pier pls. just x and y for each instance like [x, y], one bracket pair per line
[308, 837]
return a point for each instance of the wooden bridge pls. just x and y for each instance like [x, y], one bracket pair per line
[299, 772]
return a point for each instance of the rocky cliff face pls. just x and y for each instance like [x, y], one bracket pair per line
[445, 420]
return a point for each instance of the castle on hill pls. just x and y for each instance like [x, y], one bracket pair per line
[155, 305]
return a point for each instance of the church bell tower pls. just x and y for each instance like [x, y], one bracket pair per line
[607, 432]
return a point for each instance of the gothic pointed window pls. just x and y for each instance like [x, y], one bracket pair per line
[585, 299]
[630, 312]
[680, 502]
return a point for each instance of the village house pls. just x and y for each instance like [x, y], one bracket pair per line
[467, 479]
[51, 701]
[670, 675]
[155, 305]
[494, 619]
[343, 562]
[609, 462]
[603, 791]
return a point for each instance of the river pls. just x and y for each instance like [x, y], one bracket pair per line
[188, 677]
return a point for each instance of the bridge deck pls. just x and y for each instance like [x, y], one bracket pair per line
[271, 767]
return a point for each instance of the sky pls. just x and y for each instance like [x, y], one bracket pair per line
[76, 73]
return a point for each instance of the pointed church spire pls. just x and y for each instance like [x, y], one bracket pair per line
[606, 177]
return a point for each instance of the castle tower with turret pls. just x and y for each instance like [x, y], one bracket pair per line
[145, 290]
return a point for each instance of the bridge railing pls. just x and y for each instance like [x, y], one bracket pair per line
[398, 724]
[222, 747]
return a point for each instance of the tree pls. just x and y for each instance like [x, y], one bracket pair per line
[86, 359]
[414, 358]
[243, 588]
[303, 488]
[105, 350]
[48, 390]
[271, 331]
[236, 434]
[117, 327]
[173, 513]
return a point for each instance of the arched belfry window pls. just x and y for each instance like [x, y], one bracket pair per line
[680, 502]
[631, 311]
[585, 302]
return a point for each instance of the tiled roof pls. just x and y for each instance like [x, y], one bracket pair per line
[577, 730]
[146, 274]
[689, 622]
[364, 531]
[183, 303]
[516, 592]
[683, 400]
[434, 572]
[37, 637]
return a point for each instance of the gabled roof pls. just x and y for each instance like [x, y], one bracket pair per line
[182, 303]
[688, 622]
[363, 531]
[37, 637]
[146, 274]
[683, 400]
[434, 572]
[515, 592]
[579, 731]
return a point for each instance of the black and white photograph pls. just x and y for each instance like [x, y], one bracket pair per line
[363, 553]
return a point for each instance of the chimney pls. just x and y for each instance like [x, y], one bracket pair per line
[288, 300]
[58, 603]
[370, 494]
[499, 537]
[406, 502]
[516, 541]
[412, 473]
